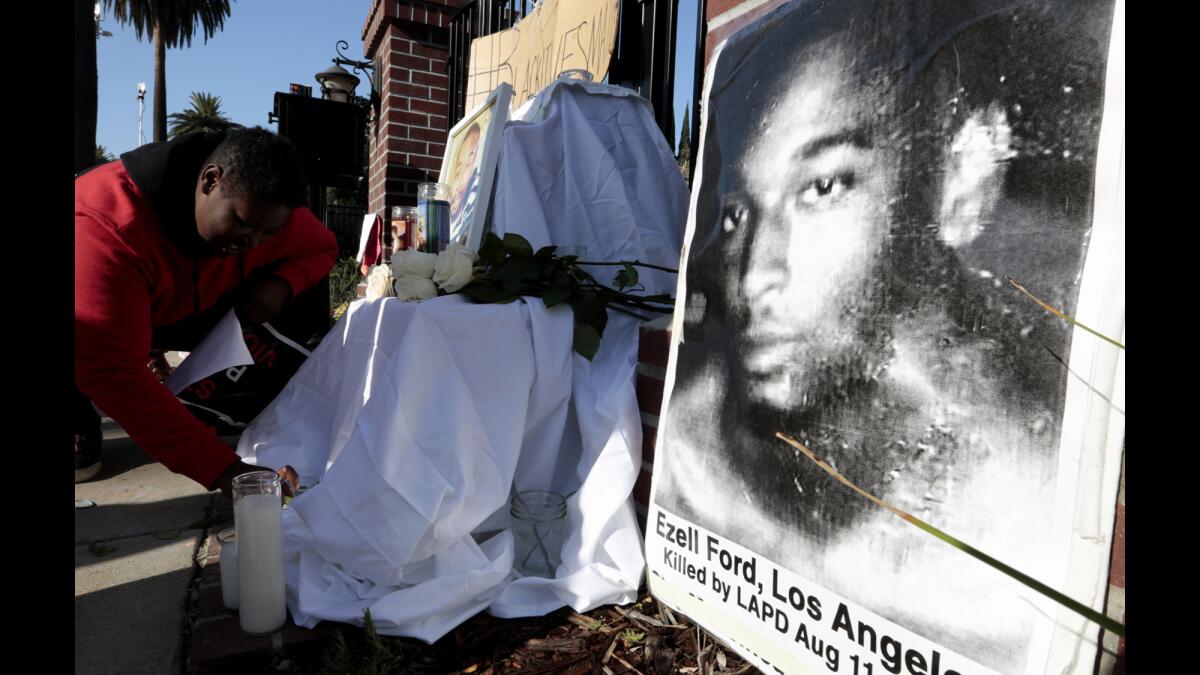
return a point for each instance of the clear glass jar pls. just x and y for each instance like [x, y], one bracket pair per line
[433, 217]
[538, 532]
[258, 518]
[229, 587]
[404, 227]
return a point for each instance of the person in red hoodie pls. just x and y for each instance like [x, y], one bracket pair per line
[167, 240]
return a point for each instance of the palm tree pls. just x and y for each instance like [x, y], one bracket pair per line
[103, 155]
[203, 115]
[172, 23]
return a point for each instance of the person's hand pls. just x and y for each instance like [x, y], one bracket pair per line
[225, 482]
[290, 479]
[159, 366]
[264, 301]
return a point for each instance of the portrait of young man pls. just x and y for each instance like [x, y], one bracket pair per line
[465, 177]
[872, 172]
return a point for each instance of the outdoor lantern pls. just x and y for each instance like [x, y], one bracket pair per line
[337, 84]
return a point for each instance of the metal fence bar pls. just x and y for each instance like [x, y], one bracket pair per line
[697, 85]
[346, 224]
[644, 57]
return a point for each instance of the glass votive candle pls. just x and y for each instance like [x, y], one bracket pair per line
[258, 517]
[229, 582]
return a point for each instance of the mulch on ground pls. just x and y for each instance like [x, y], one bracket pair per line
[643, 638]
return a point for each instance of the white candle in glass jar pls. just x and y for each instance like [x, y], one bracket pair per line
[229, 583]
[262, 604]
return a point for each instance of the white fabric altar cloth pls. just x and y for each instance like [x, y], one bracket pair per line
[418, 418]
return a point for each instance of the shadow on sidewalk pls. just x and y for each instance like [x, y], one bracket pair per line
[132, 628]
[167, 521]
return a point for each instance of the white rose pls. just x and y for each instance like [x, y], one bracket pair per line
[410, 287]
[379, 283]
[411, 262]
[454, 268]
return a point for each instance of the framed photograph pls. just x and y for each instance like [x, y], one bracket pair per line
[469, 166]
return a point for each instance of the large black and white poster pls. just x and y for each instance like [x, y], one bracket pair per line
[872, 175]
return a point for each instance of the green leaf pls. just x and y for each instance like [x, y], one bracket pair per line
[591, 308]
[519, 269]
[483, 293]
[516, 245]
[511, 286]
[631, 637]
[544, 268]
[628, 276]
[100, 550]
[587, 341]
[556, 296]
[545, 252]
[492, 250]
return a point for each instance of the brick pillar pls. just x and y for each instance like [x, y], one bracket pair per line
[409, 42]
[654, 347]
[724, 17]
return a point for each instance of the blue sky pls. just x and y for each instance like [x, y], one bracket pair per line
[685, 63]
[265, 45]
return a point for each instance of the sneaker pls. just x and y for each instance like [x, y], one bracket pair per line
[87, 458]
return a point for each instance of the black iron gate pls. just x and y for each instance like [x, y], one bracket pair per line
[475, 18]
[644, 56]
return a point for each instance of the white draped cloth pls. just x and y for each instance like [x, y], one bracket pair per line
[414, 421]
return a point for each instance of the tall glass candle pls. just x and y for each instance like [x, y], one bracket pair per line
[258, 517]
[433, 216]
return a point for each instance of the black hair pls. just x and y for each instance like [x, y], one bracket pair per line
[256, 162]
[1042, 66]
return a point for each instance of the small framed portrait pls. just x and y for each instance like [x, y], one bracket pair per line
[469, 167]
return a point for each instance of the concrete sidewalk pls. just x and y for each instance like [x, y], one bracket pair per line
[135, 561]
[147, 579]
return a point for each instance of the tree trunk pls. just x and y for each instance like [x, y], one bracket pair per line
[85, 84]
[160, 86]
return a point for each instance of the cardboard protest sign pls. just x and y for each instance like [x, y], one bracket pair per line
[870, 175]
[556, 36]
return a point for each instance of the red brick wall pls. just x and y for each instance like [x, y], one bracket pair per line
[1112, 658]
[653, 349]
[410, 40]
[725, 17]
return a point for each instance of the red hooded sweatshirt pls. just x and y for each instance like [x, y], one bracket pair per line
[138, 267]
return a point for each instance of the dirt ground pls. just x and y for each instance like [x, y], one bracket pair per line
[643, 638]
